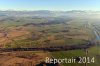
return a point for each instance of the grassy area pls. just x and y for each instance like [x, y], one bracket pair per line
[69, 54]
[92, 52]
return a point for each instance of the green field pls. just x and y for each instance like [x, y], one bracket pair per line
[92, 52]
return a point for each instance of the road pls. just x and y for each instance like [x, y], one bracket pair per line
[96, 33]
[96, 40]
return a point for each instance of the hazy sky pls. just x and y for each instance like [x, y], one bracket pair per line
[50, 5]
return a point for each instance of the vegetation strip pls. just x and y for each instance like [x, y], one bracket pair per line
[51, 49]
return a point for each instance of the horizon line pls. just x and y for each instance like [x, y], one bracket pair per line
[49, 10]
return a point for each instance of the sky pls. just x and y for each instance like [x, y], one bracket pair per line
[54, 5]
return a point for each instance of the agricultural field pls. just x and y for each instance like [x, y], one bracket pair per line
[29, 30]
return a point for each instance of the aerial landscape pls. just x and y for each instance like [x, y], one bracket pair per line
[50, 35]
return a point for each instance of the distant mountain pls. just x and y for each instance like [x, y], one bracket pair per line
[47, 13]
